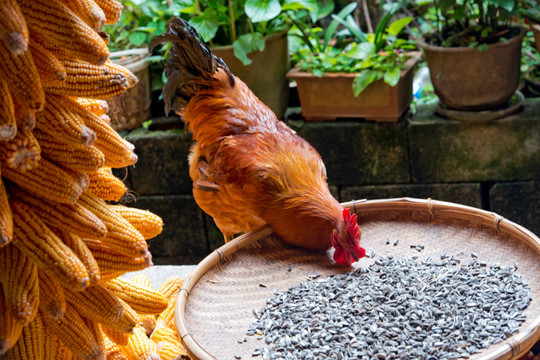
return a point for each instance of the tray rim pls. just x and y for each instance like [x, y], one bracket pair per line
[513, 348]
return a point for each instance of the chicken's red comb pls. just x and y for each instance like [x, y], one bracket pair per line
[352, 225]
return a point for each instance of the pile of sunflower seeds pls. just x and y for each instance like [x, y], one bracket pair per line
[394, 309]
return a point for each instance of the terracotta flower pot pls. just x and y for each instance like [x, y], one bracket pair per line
[132, 108]
[469, 79]
[265, 76]
[331, 96]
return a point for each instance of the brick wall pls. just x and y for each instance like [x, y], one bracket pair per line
[494, 165]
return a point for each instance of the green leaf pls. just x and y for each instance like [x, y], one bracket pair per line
[206, 24]
[363, 80]
[361, 51]
[137, 38]
[483, 47]
[396, 26]
[262, 10]
[392, 76]
[507, 5]
[246, 44]
[331, 29]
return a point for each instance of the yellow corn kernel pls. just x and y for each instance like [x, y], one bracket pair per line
[37, 241]
[51, 296]
[147, 223]
[84, 254]
[112, 350]
[50, 69]
[24, 116]
[55, 349]
[73, 332]
[91, 81]
[140, 347]
[6, 221]
[72, 155]
[112, 10]
[170, 287]
[54, 21]
[96, 107]
[118, 152]
[106, 186]
[166, 318]
[8, 125]
[121, 235]
[140, 299]
[164, 333]
[96, 303]
[31, 343]
[10, 328]
[23, 152]
[142, 281]
[126, 323]
[58, 120]
[21, 75]
[95, 328]
[148, 322]
[20, 281]
[116, 336]
[74, 218]
[170, 351]
[13, 30]
[47, 181]
[88, 11]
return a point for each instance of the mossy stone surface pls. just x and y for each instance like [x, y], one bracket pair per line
[452, 151]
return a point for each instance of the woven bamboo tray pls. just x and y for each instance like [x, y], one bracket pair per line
[214, 307]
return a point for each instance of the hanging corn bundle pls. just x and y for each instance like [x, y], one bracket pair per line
[62, 245]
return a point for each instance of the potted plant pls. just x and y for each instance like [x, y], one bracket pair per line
[141, 20]
[251, 37]
[353, 74]
[473, 53]
[530, 9]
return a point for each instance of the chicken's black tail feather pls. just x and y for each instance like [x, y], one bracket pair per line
[189, 65]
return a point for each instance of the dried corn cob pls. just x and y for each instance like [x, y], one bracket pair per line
[167, 334]
[87, 159]
[23, 152]
[20, 281]
[116, 336]
[140, 299]
[166, 318]
[95, 106]
[6, 221]
[37, 241]
[112, 264]
[105, 185]
[10, 328]
[51, 296]
[121, 235]
[148, 322]
[20, 72]
[170, 351]
[58, 120]
[50, 69]
[84, 254]
[8, 125]
[24, 116]
[96, 303]
[55, 349]
[113, 351]
[47, 180]
[118, 152]
[73, 332]
[147, 223]
[88, 11]
[112, 10]
[170, 287]
[31, 343]
[126, 323]
[75, 219]
[140, 347]
[13, 30]
[91, 81]
[67, 30]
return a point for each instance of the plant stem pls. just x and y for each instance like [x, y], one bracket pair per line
[233, 26]
[198, 6]
[366, 15]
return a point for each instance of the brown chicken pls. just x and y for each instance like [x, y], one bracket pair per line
[248, 168]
